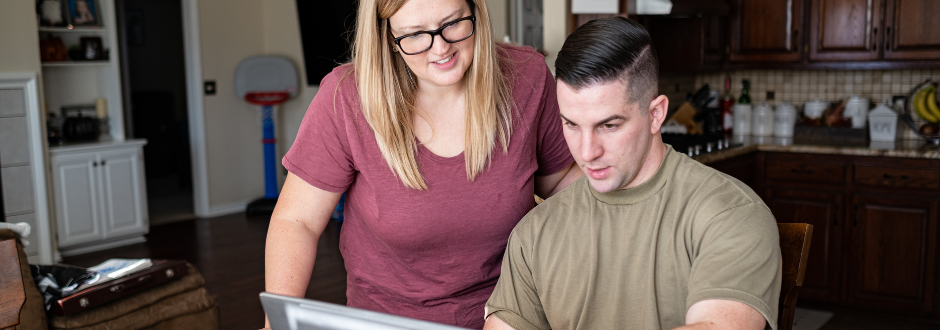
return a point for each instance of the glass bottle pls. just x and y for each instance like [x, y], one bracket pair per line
[727, 101]
[745, 95]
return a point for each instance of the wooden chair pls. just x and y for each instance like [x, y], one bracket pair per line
[795, 239]
[12, 293]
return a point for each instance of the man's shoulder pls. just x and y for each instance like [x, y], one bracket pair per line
[554, 211]
[708, 188]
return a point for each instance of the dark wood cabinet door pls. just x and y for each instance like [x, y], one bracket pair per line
[823, 210]
[766, 30]
[893, 244]
[845, 30]
[912, 30]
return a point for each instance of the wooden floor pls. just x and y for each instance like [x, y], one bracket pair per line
[229, 252]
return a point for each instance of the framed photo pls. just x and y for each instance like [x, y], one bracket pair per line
[83, 12]
[52, 13]
[92, 49]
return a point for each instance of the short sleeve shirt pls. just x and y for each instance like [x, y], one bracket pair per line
[433, 254]
[639, 258]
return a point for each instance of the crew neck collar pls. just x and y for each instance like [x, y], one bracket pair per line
[643, 191]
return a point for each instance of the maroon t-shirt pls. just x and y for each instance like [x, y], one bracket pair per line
[435, 254]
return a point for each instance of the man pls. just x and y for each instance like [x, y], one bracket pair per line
[649, 238]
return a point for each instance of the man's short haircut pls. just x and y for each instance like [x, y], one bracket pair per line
[606, 49]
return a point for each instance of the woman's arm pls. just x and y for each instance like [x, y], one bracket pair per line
[547, 186]
[301, 215]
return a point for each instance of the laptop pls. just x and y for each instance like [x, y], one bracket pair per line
[289, 313]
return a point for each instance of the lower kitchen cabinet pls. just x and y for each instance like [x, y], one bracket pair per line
[892, 264]
[876, 223]
[100, 195]
[824, 211]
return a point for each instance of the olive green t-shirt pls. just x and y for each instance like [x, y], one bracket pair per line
[639, 258]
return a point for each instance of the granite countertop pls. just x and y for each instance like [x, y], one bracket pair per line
[748, 144]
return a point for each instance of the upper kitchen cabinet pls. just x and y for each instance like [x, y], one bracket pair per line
[766, 31]
[845, 30]
[912, 30]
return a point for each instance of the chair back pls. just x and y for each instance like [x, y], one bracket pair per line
[795, 239]
[12, 292]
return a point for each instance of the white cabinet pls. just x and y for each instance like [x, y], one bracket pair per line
[100, 195]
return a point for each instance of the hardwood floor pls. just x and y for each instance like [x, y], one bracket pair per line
[229, 252]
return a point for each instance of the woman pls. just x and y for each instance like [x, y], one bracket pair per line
[438, 157]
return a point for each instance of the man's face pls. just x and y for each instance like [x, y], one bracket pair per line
[608, 136]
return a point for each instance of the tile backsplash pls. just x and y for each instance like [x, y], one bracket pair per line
[798, 86]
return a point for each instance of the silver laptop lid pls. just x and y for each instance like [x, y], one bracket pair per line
[289, 313]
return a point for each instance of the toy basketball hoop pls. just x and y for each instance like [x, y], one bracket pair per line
[266, 81]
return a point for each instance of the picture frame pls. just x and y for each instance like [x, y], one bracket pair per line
[83, 12]
[52, 13]
[92, 49]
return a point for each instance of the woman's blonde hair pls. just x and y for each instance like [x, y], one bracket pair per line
[387, 93]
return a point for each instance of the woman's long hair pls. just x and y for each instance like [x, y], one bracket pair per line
[387, 90]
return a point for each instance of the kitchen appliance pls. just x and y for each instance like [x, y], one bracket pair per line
[784, 120]
[762, 120]
[79, 127]
[742, 119]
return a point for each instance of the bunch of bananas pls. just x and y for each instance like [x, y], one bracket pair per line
[925, 104]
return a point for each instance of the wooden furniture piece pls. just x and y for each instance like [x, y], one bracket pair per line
[766, 31]
[100, 195]
[795, 241]
[12, 294]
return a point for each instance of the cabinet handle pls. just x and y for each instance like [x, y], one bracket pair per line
[904, 177]
[874, 44]
[887, 38]
[94, 164]
[102, 163]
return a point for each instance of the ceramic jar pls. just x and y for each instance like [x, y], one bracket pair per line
[762, 120]
[784, 120]
[742, 119]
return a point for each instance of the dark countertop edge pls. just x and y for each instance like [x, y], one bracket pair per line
[815, 149]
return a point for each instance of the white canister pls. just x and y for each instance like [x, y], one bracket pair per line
[883, 124]
[814, 109]
[784, 120]
[742, 119]
[857, 109]
[762, 120]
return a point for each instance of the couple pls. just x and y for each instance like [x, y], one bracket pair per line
[440, 137]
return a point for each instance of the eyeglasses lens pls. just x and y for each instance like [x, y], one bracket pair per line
[453, 33]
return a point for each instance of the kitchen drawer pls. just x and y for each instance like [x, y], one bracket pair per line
[897, 177]
[804, 171]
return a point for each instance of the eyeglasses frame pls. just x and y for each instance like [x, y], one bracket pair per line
[438, 32]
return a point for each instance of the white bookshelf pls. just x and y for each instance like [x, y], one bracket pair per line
[68, 83]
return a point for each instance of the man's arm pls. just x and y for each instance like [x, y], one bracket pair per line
[494, 323]
[720, 314]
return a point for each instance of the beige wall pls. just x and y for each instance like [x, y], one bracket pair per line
[499, 15]
[231, 30]
[19, 41]
[554, 29]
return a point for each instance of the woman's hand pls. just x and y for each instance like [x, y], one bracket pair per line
[300, 217]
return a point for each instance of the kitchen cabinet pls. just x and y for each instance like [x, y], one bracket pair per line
[874, 30]
[766, 31]
[823, 210]
[893, 247]
[845, 30]
[911, 30]
[695, 43]
[875, 226]
[100, 197]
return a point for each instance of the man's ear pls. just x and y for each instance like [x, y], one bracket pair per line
[658, 110]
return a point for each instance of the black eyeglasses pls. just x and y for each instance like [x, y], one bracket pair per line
[419, 42]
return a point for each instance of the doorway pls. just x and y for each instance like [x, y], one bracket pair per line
[156, 106]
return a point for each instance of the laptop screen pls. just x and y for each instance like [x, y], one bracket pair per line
[289, 313]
